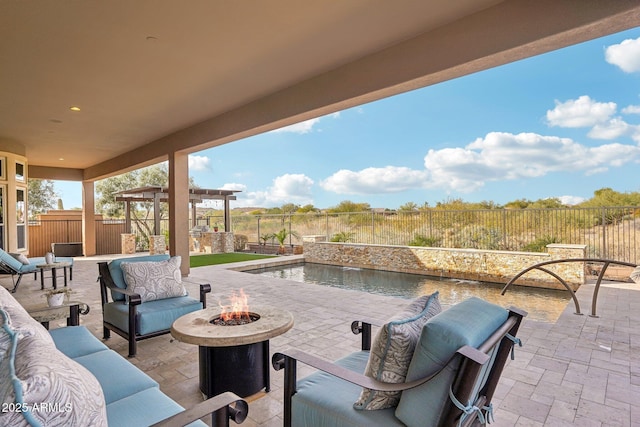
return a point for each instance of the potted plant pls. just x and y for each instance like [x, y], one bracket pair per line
[215, 227]
[281, 236]
[55, 297]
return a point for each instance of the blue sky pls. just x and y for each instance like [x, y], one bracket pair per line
[563, 124]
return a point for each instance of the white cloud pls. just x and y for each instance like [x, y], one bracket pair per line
[390, 179]
[631, 109]
[306, 126]
[302, 127]
[612, 129]
[288, 188]
[505, 156]
[234, 186]
[625, 55]
[496, 157]
[198, 163]
[581, 112]
[571, 200]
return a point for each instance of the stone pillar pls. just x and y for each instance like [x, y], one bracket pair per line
[157, 245]
[128, 243]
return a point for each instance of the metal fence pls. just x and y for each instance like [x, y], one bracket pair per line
[608, 232]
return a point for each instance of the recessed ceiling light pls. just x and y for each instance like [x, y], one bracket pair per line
[55, 121]
[152, 38]
[74, 108]
[61, 158]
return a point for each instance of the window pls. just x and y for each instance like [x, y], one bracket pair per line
[3, 163]
[19, 171]
[21, 216]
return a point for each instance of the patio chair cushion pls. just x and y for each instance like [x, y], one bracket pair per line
[154, 280]
[20, 257]
[393, 349]
[152, 316]
[118, 276]
[10, 261]
[469, 322]
[58, 391]
[324, 400]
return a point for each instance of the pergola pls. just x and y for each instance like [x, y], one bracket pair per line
[157, 194]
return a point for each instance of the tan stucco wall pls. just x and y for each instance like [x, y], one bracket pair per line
[468, 264]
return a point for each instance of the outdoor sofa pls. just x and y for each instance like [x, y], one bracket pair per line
[68, 377]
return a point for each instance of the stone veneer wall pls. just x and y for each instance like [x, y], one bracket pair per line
[157, 245]
[216, 242]
[468, 264]
[128, 243]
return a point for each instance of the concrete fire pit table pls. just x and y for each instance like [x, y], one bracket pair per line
[232, 357]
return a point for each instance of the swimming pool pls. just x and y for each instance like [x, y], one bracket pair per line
[541, 304]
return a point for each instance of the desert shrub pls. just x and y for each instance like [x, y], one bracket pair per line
[342, 236]
[422, 240]
[540, 244]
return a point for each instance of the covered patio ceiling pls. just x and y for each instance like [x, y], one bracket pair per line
[156, 77]
[91, 89]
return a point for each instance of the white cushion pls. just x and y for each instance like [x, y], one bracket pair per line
[154, 280]
[20, 257]
[57, 390]
[392, 350]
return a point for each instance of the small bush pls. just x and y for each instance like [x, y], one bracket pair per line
[342, 237]
[540, 244]
[422, 240]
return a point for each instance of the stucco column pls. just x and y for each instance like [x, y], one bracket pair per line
[179, 208]
[88, 219]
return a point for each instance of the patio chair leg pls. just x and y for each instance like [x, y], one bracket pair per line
[15, 287]
[132, 346]
[106, 333]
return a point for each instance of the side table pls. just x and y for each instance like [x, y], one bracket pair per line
[53, 267]
[70, 309]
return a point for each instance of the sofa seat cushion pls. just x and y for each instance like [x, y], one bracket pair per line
[75, 341]
[144, 408]
[470, 322]
[116, 375]
[117, 275]
[324, 400]
[58, 391]
[392, 350]
[154, 280]
[152, 316]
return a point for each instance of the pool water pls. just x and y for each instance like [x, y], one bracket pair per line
[541, 304]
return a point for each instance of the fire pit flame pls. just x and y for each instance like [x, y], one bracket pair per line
[237, 312]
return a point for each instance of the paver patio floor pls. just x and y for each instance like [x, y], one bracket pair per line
[580, 370]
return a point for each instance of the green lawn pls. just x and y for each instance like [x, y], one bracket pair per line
[211, 259]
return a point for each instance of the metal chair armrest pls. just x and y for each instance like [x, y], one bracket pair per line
[222, 407]
[279, 361]
[134, 298]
